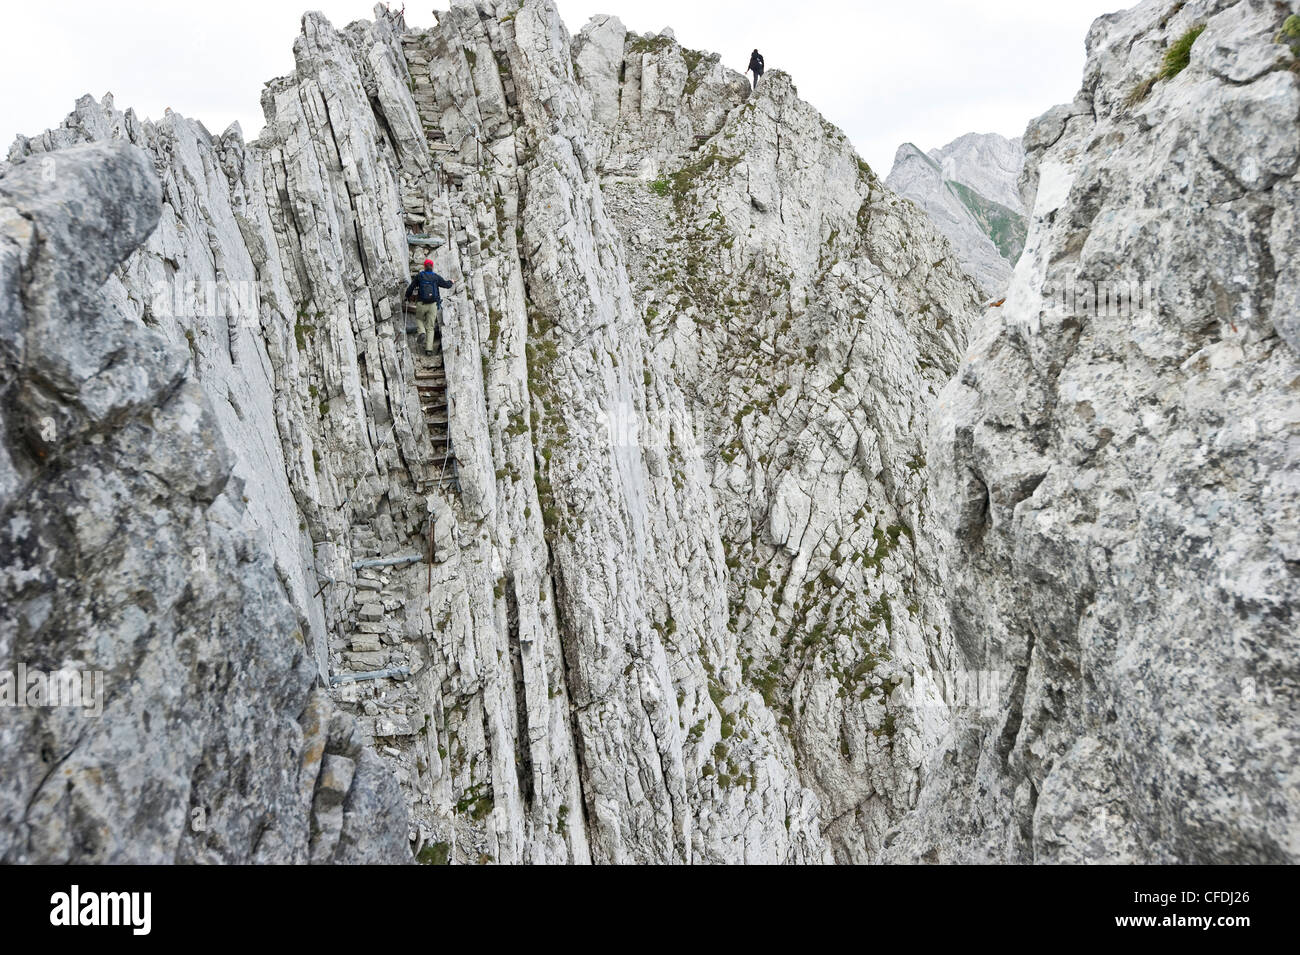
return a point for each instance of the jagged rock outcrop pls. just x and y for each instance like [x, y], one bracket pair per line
[680, 564]
[255, 277]
[133, 562]
[809, 316]
[970, 189]
[1120, 483]
[629, 393]
[657, 555]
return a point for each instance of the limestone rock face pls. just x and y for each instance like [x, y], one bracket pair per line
[258, 312]
[969, 188]
[691, 536]
[1119, 482]
[661, 358]
[809, 316]
[674, 494]
[134, 563]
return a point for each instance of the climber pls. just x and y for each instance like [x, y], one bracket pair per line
[428, 309]
[755, 66]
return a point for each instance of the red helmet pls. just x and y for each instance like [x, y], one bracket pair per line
[428, 263]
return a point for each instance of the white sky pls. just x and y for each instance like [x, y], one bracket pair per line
[886, 71]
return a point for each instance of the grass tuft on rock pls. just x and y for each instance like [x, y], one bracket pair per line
[1180, 53]
[1290, 34]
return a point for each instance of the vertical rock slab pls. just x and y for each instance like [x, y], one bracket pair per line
[131, 562]
[1118, 469]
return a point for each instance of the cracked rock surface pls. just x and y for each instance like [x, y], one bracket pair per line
[716, 525]
[1120, 485]
[130, 549]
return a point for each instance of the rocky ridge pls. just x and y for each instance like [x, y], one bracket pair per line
[988, 163]
[541, 697]
[660, 556]
[132, 549]
[1119, 471]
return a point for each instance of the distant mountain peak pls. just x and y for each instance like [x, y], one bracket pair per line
[970, 189]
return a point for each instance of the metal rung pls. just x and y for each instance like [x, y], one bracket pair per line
[391, 673]
[388, 561]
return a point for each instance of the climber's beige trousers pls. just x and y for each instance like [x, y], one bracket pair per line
[427, 317]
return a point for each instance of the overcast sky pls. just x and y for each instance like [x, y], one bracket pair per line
[886, 71]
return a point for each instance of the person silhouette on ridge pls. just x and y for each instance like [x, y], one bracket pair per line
[755, 66]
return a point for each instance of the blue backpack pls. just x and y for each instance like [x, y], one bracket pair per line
[428, 282]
